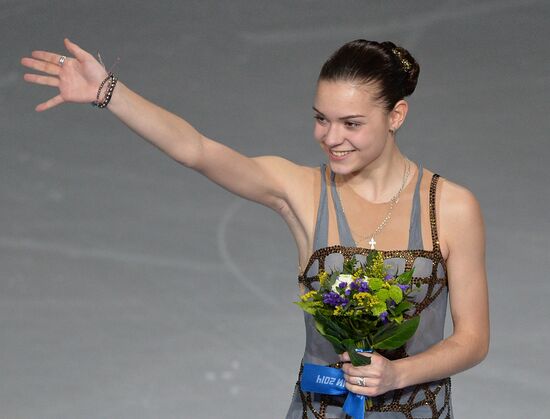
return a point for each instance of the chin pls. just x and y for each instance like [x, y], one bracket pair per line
[341, 168]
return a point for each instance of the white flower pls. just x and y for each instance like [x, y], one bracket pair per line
[348, 279]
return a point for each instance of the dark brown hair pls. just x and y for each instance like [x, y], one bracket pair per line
[390, 68]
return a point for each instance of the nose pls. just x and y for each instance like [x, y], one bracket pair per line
[333, 135]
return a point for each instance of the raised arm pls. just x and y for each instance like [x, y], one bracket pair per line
[263, 179]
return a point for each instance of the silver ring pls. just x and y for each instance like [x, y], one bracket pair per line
[62, 60]
[361, 382]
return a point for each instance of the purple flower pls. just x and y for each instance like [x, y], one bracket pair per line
[347, 292]
[403, 287]
[384, 317]
[334, 299]
[353, 286]
[364, 287]
[342, 284]
[388, 276]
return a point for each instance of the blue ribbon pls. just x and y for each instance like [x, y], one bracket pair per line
[328, 380]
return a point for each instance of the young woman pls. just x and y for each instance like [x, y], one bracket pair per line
[369, 197]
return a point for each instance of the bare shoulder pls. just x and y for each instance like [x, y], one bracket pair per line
[460, 220]
[457, 203]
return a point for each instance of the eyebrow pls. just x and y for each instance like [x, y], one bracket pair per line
[342, 118]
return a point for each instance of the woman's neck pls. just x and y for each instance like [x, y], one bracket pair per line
[380, 180]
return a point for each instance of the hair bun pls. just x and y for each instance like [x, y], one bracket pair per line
[408, 66]
[391, 68]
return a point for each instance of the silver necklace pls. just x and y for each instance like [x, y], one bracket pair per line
[393, 202]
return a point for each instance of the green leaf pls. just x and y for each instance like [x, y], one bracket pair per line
[375, 283]
[337, 344]
[396, 294]
[356, 359]
[349, 266]
[401, 307]
[405, 277]
[307, 306]
[331, 280]
[330, 327]
[358, 327]
[395, 337]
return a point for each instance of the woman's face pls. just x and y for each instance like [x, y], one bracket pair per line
[351, 126]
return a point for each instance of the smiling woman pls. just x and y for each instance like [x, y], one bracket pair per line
[391, 203]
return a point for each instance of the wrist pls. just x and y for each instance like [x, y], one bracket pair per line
[402, 378]
[105, 91]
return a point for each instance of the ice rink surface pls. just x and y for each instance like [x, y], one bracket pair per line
[131, 287]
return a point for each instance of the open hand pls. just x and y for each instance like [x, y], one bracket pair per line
[77, 78]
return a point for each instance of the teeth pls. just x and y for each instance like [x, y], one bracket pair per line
[340, 153]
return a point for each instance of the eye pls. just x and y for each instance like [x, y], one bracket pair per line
[321, 120]
[352, 124]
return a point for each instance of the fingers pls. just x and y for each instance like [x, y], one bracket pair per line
[54, 101]
[42, 66]
[345, 356]
[78, 52]
[49, 57]
[366, 385]
[43, 80]
[366, 391]
[365, 371]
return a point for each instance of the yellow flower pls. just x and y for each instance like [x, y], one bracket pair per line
[323, 277]
[362, 295]
[308, 295]
[338, 311]
[364, 299]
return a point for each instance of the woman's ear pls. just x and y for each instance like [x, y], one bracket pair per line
[398, 114]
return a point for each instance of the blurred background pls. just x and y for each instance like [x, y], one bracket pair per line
[131, 287]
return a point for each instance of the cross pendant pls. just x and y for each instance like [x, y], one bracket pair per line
[372, 243]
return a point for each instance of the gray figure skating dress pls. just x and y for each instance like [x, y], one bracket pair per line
[422, 401]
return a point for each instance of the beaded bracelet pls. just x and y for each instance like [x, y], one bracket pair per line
[112, 79]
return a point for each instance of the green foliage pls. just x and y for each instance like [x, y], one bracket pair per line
[375, 283]
[396, 294]
[356, 359]
[396, 336]
[307, 306]
[349, 266]
[379, 308]
[382, 294]
[400, 308]
[366, 313]
[375, 267]
[406, 277]
[333, 278]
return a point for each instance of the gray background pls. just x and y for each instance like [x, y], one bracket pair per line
[132, 288]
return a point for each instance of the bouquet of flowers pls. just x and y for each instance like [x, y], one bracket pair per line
[360, 309]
